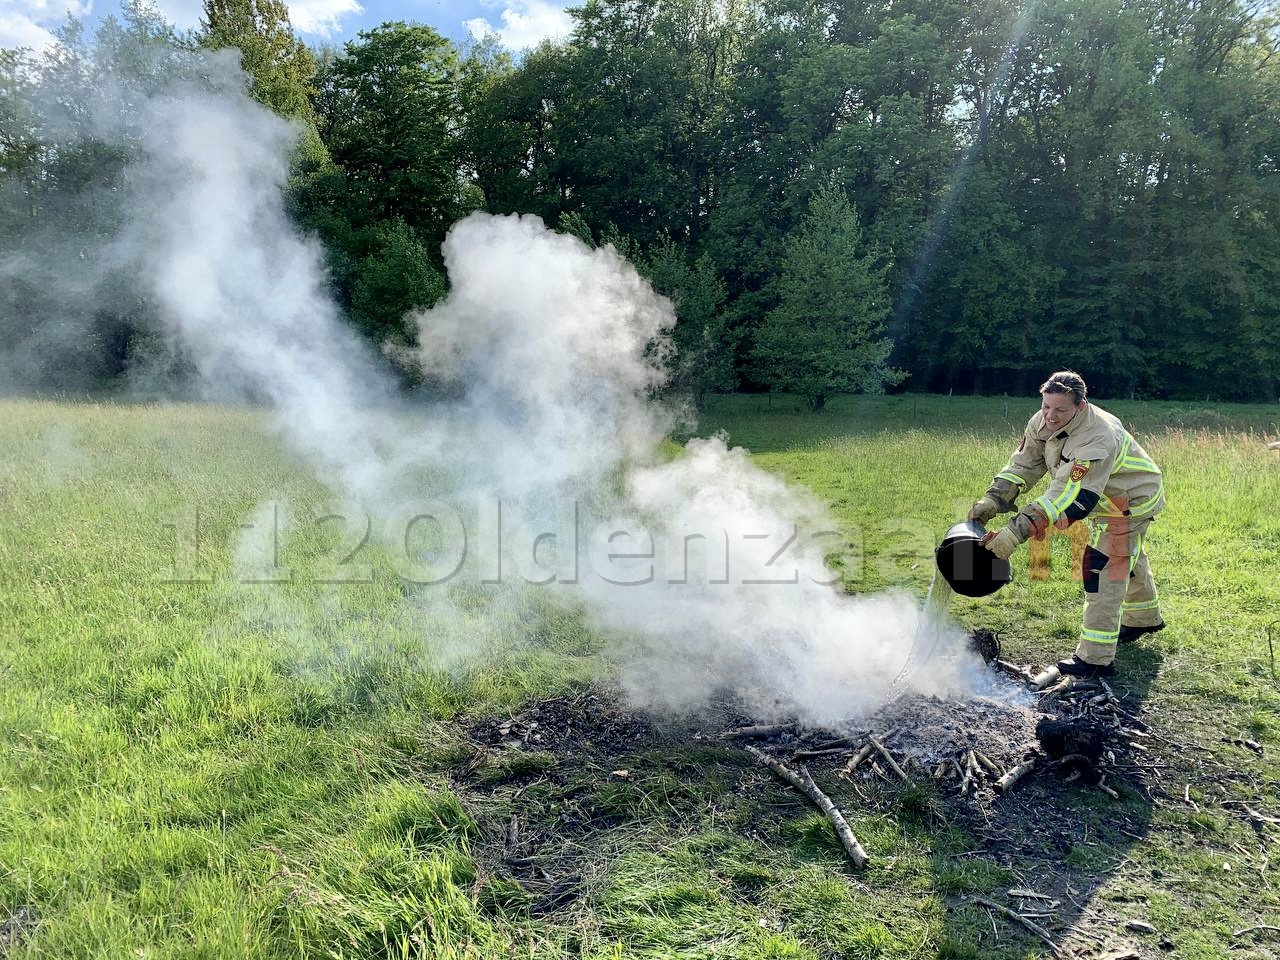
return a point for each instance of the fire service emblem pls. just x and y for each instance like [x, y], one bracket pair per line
[1078, 470]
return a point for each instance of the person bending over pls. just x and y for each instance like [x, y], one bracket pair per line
[1098, 471]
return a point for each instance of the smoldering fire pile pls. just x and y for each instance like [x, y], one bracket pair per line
[552, 782]
[973, 750]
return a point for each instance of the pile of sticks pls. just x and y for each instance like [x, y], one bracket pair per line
[1072, 697]
[874, 750]
[858, 750]
[970, 768]
[973, 769]
[1087, 710]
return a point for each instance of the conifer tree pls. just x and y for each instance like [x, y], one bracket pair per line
[825, 335]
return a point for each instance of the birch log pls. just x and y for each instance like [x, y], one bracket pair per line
[804, 783]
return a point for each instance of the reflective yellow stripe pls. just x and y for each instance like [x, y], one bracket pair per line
[1151, 504]
[1050, 511]
[1011, 477]
[1068, 496]
[1140, 464]
[1053, 509]
[1142, 604]
[1106, 508]
[1099, 636]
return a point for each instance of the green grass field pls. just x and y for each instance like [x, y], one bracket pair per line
[194, 766]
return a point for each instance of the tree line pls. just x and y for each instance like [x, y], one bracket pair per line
[836, 195]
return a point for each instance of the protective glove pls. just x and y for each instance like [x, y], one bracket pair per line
[984, 510]
[1030, 523]
[1001, 542]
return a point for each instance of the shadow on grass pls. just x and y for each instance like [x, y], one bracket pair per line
[1048, 848]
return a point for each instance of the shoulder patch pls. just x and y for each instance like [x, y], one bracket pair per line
[1079, 469]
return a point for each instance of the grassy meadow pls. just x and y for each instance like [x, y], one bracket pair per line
[197, 766]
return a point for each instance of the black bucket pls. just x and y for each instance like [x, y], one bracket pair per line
[970, 568]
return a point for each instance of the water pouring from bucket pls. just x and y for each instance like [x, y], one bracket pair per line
[964, 566]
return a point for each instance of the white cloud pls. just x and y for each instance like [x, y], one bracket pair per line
[17, 30]
[525, 23]
[318, 17]
[321, 17]
[30, 23]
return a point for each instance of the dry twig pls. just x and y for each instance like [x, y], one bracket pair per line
[1059, 689]
[810, 754]
[888, 758]
[857, 758]
[760, 730]
[1261, 926]
[1015, 671]
[1031, 925]
[966, 774]
[1045, 677]
[987, 763]
[866, 751]
[804, 783]
[1025, 894]
[1250, 812]
[845, 742]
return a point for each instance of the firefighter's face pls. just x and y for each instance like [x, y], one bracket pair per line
[1058, 409]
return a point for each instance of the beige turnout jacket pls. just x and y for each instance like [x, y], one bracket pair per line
[1096, 468]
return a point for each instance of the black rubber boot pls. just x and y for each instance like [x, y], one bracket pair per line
[1075, 667]
[1130, 634]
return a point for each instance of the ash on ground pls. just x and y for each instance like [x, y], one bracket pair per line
[931, 730]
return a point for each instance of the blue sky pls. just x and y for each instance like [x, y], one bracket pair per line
[519, 23]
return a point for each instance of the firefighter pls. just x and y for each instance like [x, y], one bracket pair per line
[1098, 471]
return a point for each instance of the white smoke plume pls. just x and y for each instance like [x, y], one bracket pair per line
[244, 293]
[553, 353]
[709, 570]
[556, 349]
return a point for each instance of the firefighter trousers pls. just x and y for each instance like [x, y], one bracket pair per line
[1118, 586]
